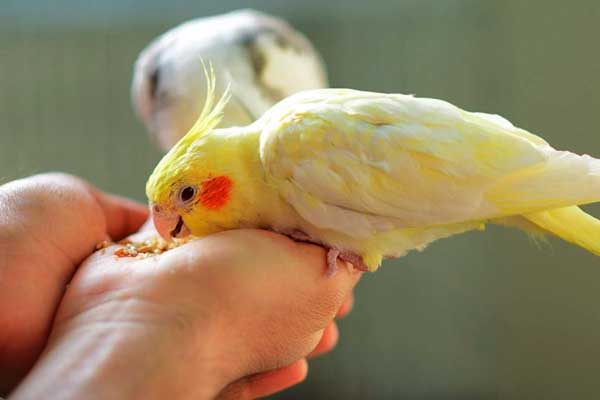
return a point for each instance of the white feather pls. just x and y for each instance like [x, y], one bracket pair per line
[168, 87]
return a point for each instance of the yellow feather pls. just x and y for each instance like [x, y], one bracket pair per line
[158, 185]
[212, 113]
[571, 224]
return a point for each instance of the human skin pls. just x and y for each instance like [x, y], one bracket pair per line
[206, 319]
[48, 225]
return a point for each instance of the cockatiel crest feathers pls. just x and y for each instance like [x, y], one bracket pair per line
[212, 112]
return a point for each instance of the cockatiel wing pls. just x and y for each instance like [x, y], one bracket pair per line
[362, 163]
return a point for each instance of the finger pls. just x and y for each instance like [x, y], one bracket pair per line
[328, 341]
[334, 289]
[346, 307]
[271, 382]
[123, 216]
[266, 383]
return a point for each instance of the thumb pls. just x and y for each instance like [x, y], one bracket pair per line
[123, 216]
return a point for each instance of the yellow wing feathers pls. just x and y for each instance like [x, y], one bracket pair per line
[369, 163]
[571, 224]
[409, 167]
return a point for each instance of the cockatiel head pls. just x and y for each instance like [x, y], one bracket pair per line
[262, 58]
[187, 182]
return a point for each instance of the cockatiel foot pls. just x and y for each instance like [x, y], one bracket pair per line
[353, 259]
[332, 254]
[298, 236]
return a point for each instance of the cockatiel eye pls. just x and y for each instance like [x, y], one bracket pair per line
[186, 194]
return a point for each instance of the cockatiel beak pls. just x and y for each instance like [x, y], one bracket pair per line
[168, 223]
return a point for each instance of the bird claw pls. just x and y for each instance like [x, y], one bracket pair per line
[298, 236]
[355, 260]
[352, 260]
[332, 256]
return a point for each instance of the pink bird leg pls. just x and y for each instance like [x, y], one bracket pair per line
[354, 259]
[332, 256]
[332, 253]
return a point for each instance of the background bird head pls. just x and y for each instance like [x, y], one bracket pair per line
[262, 57]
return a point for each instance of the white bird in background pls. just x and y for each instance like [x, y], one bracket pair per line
[262, 57]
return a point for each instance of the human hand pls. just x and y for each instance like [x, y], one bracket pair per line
[197, 321]
[48, 224]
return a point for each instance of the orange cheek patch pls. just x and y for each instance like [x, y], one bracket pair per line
[215, 192]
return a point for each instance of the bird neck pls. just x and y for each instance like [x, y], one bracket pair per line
[237, 151]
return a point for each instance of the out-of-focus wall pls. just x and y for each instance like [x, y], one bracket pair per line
[482, 315]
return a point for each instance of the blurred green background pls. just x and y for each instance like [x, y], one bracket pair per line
[479, 316]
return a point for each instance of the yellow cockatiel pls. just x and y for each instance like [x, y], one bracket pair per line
[370, 175]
